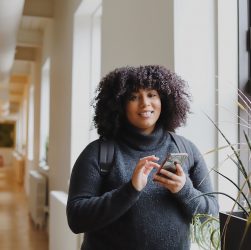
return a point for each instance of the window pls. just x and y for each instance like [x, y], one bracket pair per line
[244, 74]
[86, 72]
[31, 124]
[95, 61]
[45, 113]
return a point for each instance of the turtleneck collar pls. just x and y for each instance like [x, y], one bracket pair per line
[143, 142]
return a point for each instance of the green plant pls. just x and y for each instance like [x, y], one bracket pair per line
[205, 231]
[245, 106]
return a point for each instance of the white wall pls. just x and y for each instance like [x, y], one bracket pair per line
[205, 55]
[47, 41]
[227, 94]
[61, 236]
[60, 95]
[136, 32]
[195, 58]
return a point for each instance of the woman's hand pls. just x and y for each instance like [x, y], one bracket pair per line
[142, 171]
[173, 181]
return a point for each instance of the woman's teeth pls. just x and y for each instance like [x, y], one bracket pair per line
[146, 114]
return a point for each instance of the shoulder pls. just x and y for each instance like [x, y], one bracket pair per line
[93, 148]
[189, 147]
[189, 143]
[94, 145]
[90, 151]
[88, 156]
[185, 141]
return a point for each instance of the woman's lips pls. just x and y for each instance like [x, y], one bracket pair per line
[146, 114]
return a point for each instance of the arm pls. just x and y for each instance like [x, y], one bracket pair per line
[196, 184]
[87, 208]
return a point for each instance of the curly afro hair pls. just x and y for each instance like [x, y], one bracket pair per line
[115, 87]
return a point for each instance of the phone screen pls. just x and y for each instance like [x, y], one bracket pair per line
[172, 159]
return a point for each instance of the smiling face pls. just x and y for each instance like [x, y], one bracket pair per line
[143, 109]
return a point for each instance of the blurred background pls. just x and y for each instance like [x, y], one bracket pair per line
[52, 56]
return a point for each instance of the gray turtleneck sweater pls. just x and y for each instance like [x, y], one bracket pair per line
[115, 216]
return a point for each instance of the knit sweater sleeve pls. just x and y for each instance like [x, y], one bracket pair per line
[87, 209]
[197, 183]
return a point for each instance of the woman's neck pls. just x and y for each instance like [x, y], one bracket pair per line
[139, 140]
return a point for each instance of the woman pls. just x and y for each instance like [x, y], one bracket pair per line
[132, 207]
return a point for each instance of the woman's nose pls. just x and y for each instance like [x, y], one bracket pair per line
[144, 101]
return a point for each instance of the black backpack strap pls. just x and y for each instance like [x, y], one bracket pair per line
[106, 155]
[183, 147]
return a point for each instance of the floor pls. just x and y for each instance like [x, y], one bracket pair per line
[16, 228]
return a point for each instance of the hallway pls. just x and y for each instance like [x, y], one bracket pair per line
[16, 228]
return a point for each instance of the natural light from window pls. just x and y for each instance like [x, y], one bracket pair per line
[86, 73]
[31, 124]
[45, 113]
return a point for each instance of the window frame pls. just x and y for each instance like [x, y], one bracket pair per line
[244, 79]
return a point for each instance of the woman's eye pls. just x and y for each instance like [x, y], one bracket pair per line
[132, 98]
[152, 95]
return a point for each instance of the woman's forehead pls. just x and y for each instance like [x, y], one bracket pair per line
[144, 90]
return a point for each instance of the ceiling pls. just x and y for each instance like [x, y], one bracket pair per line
[22, 23]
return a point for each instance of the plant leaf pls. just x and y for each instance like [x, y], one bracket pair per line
[219, 148]
[239, 189]
[247, 139]
[205, 231]
[230, 197]
[236, 163]
[241, 106]
[233, 149]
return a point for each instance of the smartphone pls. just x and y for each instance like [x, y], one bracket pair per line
[171, 160]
